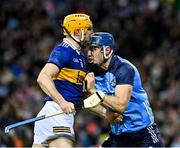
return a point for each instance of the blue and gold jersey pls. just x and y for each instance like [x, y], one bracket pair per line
[72, 71]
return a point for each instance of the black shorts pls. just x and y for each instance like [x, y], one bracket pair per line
[146, 137]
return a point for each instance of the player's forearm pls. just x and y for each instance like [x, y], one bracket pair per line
[47, 85]
[115, 103]
[111, 116]
[99, 110]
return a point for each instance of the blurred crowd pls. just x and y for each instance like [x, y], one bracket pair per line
[147, 32]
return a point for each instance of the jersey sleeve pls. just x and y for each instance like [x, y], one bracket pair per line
[125, 74]
[59, 56]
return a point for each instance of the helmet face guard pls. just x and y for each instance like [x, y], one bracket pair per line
[102, 40]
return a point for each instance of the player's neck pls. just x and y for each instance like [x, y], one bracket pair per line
[74, 43]
[106, 64]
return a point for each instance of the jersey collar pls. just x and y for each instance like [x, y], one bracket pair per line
[66, 40]
[112, 62]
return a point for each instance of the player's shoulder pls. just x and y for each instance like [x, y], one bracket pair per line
[126, 68]
[62, 46]
[120, 65]
[59, 50]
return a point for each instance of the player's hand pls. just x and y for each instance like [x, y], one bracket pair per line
[113, 117]
[90, 82]
[67, 107]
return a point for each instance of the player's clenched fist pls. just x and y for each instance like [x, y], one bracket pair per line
[90, 82]
[113, 117]
[67, 107]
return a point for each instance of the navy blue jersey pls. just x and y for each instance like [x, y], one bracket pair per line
[138, 113]
[72, 71]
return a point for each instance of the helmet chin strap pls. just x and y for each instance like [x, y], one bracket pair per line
[104, 53]
[78, 41]
[82, 37]
[106, 57]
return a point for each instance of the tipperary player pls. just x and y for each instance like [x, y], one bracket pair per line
[61, 79]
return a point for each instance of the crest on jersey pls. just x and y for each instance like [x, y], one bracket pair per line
[113, 83]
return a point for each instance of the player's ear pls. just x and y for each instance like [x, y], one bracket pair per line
[76, 32]
[107, 50]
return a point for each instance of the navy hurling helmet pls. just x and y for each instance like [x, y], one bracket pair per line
[103, 39]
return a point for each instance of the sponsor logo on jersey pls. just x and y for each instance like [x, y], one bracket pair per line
[75, 60]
